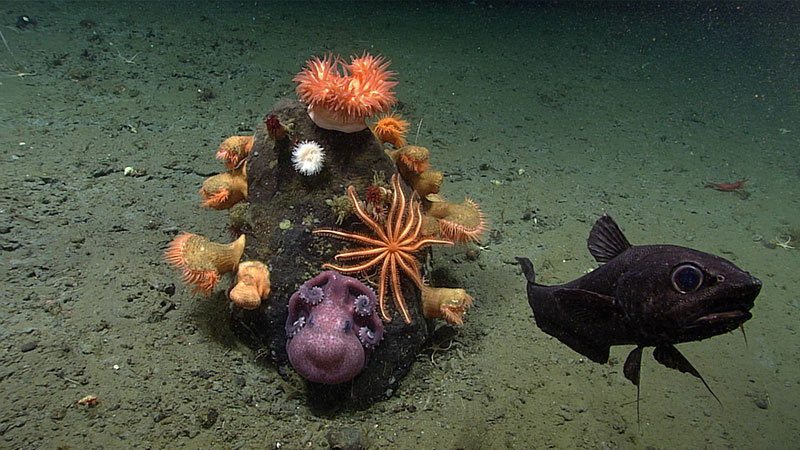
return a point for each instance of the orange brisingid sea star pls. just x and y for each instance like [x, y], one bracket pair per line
[392, 249]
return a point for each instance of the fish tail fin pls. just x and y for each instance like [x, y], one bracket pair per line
[527, 269]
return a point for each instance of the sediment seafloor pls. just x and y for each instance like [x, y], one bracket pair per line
[548, 115]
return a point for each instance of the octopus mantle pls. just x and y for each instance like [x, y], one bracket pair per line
[331, 328]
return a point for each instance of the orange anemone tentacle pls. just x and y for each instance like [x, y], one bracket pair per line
[214, 199]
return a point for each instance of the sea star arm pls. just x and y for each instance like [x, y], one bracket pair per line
[425, 242]
[413, 221]
[355, 237]
[393, 248]
[395, 222]
[357, 268]
[382, 290]
[397, 288]
[408, 263]
[365, 218]
[360, 253]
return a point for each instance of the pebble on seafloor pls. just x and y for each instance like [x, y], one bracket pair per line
[347, 438]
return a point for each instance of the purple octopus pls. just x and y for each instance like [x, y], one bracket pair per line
[331, 328]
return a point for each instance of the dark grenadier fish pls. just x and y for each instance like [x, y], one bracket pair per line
[647, 295]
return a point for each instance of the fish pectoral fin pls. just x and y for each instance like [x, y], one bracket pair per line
[633, 371]
[669, 356]
[606, 240]
[633, 366]
[586, 306]
[583, 322]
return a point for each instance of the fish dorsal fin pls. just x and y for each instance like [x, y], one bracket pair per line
[633, 370]
[670, 357]
[606, 240]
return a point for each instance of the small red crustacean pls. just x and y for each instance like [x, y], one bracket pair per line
[727, 187]
[89, 400]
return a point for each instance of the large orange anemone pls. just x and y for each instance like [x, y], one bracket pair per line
[202, 261]
[341, 96]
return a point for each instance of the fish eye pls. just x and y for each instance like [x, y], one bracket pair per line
[687, 278]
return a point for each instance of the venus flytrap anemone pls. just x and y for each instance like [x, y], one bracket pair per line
[445, 303]
[412, 162]
[234, 150]
[410, 159]
[308, 157]
[224, 190]
[461, 222]
[202, 261]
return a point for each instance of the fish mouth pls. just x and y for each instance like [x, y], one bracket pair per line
[716, 323]
[733, 317]
[732, 311]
